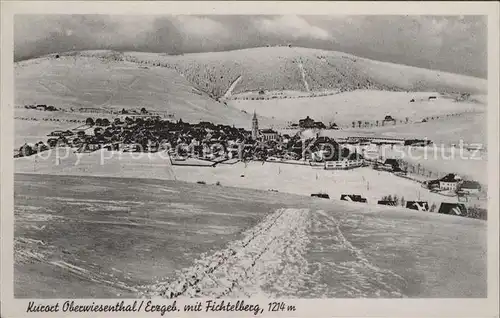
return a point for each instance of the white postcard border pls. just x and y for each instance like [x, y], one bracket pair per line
[487, 307]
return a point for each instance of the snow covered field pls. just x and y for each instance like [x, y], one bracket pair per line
[306, 180]
[83, 81]
[470, 128]
[137, 237]
[65, 161]
[303, 180]
[472, 165]
[364, 105]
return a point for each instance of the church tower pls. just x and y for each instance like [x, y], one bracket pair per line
[255, 126]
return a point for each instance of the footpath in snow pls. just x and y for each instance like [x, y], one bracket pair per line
[268, 257]
[291, 253]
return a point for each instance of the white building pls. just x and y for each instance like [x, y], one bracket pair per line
[268, 135]
[449, 182]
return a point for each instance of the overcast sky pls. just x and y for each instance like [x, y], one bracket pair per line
[456, 44]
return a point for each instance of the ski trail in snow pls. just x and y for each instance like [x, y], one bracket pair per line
[230, 89]
[267, 261]
[357, 276]
[291, 253]
[303, 74]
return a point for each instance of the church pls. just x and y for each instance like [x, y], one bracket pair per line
[264, 134]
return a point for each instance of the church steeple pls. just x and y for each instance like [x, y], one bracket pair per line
[255, 126]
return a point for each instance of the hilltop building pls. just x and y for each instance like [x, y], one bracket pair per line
[308, 122]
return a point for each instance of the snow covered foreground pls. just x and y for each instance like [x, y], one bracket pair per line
[116, 237]
[294, 253]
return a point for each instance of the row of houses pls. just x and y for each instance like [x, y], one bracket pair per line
[450, 208]
[457, 209]
[150, 133]
[451, 182]
[41, 107]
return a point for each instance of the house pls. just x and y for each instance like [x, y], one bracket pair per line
[453, 209]
[319, 125]
[355, 156]
[391, 164]
[26, 150]
[320, 195]
[388, 119]
[432, 184]
[52, 142]
[90, 110]
[417, 142]
[90, 145]
[269, 135]
[386, 202]
[334, 126]
[417, 205]
[469, 187]
[122, 117]
[129, 147]
[306, 122]
[98, 131]
[112, 146]
[449, 182]
[152, 146]
[56, 133]
[352, 198]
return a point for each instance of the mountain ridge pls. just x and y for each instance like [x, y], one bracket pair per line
[196, 85]
[278, 68]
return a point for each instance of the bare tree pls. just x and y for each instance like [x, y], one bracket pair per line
[395, 198]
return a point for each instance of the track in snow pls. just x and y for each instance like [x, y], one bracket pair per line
[303, 74]
[231, 88]
[291, 253]
[268, 258]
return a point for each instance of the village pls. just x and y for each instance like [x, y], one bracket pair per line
[206, 144]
